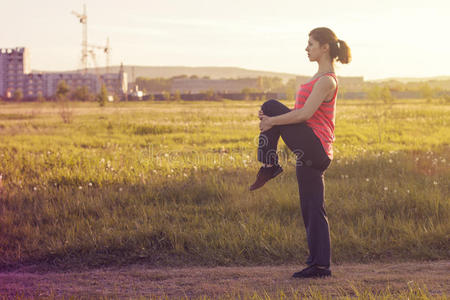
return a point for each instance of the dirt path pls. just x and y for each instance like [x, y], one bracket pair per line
[136, 280]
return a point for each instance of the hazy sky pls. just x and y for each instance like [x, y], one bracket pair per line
[388, 37]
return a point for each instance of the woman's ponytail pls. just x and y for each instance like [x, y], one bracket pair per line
[344, 53]
[338, 48]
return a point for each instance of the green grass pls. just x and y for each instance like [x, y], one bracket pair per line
[355, 293]
[167, 183]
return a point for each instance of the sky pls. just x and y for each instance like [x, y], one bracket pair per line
[388, 38]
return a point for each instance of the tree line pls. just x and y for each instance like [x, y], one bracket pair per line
[65, 93]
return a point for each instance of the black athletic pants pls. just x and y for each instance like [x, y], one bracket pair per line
[312, 161]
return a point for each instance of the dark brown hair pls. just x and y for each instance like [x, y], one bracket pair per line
[338, 48]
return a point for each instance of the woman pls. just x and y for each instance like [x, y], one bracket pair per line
[308, 131]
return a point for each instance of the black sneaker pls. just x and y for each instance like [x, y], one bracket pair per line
[311, 272]
[264, 175]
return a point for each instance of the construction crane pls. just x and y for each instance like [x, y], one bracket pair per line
[101, 79]
[107, 50]
[84, 44]
[94, 61]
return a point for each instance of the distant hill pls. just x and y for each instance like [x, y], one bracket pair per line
[212, 72]
[224, 72]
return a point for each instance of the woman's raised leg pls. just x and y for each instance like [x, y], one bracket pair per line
[268, 140]
[267, 145]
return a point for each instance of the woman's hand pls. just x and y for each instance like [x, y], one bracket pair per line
[265, 123]
[260, 114]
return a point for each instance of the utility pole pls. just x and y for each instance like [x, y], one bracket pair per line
[84, 38]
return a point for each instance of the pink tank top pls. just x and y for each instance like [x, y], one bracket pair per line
[322, 121]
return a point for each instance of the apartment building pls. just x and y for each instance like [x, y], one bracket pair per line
[15, 74]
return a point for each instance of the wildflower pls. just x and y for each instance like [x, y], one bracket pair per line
[385, 188]
[102, 160]
[185, 175]
[90, 184]
[80, 187]
[435, 182]
[168, 176]
[407, 191]
[195, 168]
[346, 176]
[367, 179]
[390, 161]
[154, 171]
[34, 188]
[120, 189]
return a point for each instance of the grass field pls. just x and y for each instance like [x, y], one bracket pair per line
[406, 280]
[167, 184]
[413, 293]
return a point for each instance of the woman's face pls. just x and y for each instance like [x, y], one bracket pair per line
[314, 50]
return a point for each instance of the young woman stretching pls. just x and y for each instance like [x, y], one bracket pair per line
[308, 131]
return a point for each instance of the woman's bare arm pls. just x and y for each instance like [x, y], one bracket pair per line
[320, 91]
